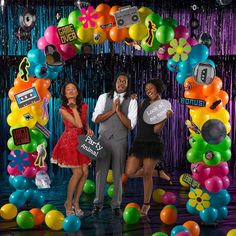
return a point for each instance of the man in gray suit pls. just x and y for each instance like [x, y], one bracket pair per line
[116, 113]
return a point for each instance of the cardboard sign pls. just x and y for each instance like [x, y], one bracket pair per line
[23, 68]
[156, 112]
[187, 178]
[204, 73]
[91, 147]
[43, 130]
[21, 136]
[192, 102]
[41, 156]
[67, 34]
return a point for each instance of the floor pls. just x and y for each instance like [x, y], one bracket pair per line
[108, 224]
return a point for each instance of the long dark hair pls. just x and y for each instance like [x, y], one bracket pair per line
[113, 88]
[159, 85]
[64, 100]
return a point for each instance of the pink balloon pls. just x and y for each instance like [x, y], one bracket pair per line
[169, 198]
[29, 172]
[220, 170]
[184, 234]
[226, 182]
[214, 184]
[42, 43]
[67, 51]
[162, 52]
[192, 42]
[51, 35]
[181, 32]
[200, 170]
[13, 170]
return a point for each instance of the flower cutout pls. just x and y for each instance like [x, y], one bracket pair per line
[179, 49]
[199, 199]
[18, 158]
[89, 17]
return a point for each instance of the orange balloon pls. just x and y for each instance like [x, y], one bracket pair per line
[118, 35]
[213, 88]
[168, 216]
[133, 204]
[11, 93]
[103, 9]
[38, 216]
[105, 23]
[224, 97]
[113, 10]
[191, 85]
[193, 227]
[194, 94]
[19, 84]
[213, 104]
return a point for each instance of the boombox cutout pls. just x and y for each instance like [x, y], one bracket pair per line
[126, 16]
[204, 73]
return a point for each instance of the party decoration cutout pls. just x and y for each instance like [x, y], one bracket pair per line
[192, 126]
[156, 112]
[192, 102]
[133, 43]
[53, 57]
[199, 199]
[27, 21]
[215, 104]
[26, 97]
[43, 130]
[67, 33]
[204, 73]
[19, 159]
[126, 16]
[27, 116]
[91, 146]
[23, 68]
[21, 136]
[44, 107]
[151, 30]
[42, 180]
[89, 17]
[188, 179]
[42, 153]
[213, 131]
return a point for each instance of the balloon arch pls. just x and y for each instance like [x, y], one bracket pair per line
[210, 149]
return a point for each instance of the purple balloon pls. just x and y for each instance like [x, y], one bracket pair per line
[181, 32]
[51, 35]
[169, 198]
[42, 43]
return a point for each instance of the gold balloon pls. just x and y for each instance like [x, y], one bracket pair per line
[84, 35]
[144, 12]
[99, 36]
[138, 31]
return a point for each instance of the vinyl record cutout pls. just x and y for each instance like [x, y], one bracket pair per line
[21, 34]
[213, 131]
[27, 21]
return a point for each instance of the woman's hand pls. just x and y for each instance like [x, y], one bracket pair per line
[90, 132]
[72, 106]
[169, 113]
[134, 96]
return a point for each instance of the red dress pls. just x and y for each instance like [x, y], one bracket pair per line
[65, 153]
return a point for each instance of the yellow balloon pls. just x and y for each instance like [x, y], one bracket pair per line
[199, 117]
[14, 106]
[232, 232]
[28, 123]
[144, 12]
[157, 195]
[228, 127]
[222, 115]
[138, 31]
[99, 36]
[109, 176]
[8, 211]
[54, 219]
[182, 182]
[11, 119]
[84, 35]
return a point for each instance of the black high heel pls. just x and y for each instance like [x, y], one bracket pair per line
[166, 173]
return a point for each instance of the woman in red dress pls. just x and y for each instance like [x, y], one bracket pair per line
[65, 153]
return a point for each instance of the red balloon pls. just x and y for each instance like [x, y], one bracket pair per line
[181, 32]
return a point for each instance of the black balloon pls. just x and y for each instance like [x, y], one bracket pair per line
[205, 38]
[194, 23]
[213, 131]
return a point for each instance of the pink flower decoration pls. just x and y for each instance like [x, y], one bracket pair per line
[89, 17]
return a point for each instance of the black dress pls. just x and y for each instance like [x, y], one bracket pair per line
[147, 143]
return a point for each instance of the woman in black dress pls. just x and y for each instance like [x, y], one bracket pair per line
[147, 149]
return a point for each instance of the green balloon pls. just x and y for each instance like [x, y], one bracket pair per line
[73, 18]
[170, 22]
[155, 18]
[194, 155]
[48, 207]
[159, 234]
[148, 48]
[63, 22]
[172, 207]
[226, 155]
[212, 159]
[25, 220]
[11, 145]
[110, 191]
[89, 186]
[36, 133]
[42, 141]
[131, 215]
[78, 46]
[165, 34]
[224, 145]
[197, 142]
[30, 147]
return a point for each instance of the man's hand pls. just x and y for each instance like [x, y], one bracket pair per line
[117, 104]
[134, 96]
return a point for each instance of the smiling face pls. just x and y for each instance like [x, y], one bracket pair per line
[151, 92]
[71, 91]
[121, 84]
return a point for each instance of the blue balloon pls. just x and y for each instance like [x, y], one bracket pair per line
[17, 198]
[211, 62]
[186, 67]
[199, 53]
[36, 56]
[56, 68]
[209, 215]
[222, 213]
[31, 69]
[28, 194]
[71, 224]
[178, 229]
[40, 72]
[172, 65]
[11, 177]
[191, 210]
[52, 74]
[20, 182]
[220, 199]
[181, 77]
[37, 199]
